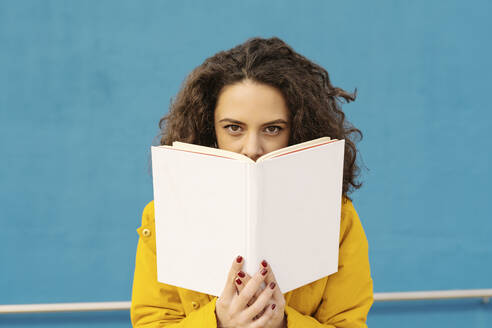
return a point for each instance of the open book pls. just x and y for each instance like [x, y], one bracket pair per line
[212, 205]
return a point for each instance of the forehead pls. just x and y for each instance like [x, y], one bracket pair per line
[250, 101]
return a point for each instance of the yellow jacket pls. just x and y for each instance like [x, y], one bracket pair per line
[340, 300]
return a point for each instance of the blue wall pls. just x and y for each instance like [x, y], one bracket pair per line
[83, 85]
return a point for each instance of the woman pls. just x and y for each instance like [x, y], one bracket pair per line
[255, 98]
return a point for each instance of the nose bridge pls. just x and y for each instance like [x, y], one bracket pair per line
[252, 145]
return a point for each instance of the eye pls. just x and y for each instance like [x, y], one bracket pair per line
[233, 128]
[273, 129]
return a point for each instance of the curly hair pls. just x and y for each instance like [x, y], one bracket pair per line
[313, 102]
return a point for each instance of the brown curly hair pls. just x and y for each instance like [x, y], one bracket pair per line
[313, 102]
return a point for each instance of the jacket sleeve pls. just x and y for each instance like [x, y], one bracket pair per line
[156, 304]
[348, 294]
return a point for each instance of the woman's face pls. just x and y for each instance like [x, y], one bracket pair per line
[251, 119]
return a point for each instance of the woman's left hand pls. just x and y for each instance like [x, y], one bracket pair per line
[278, 319]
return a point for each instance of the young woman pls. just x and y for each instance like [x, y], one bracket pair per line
[255, 98]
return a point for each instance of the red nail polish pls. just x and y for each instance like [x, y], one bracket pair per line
[241, 274]
[264, 263]
[238, 281]
[273, 306]
[272, 285]
[239, 259]
[264, 272]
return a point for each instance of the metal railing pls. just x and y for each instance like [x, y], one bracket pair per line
[65, 307]
[484, 294]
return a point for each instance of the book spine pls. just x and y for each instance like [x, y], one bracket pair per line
[252, 215]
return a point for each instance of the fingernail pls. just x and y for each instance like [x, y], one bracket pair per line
[238, 281]
[264, 263]
[272, 285]
[264, 272]
[241, 274]
[239, 259]
[273, 306]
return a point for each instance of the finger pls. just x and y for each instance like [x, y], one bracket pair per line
[261, 313]
[249, 290]
[267, 316]
[242, 280]
[261, 303]
[229, 288]
[277, 293]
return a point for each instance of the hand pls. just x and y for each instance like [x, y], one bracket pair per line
[278, 319]
[231, 309]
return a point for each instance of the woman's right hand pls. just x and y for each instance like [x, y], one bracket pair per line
[232, 310]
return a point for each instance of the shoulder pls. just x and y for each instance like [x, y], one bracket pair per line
[348, 215]
[147, 229]
[148, 215]
[347, 206]
[350, 225]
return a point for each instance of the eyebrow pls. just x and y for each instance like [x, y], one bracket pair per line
[279, 121]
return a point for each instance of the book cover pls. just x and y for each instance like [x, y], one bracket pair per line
[210, 207]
